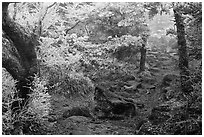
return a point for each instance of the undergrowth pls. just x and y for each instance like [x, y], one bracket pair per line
[185, 116]
[28, 120]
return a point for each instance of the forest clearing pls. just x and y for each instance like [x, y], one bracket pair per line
[102, 68]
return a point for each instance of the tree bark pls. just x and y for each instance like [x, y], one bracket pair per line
[18, 53]
[183, 55]
[143, 58]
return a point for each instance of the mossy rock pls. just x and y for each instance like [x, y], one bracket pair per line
[77, 111]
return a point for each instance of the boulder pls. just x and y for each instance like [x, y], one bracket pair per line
[79, 118]
[159, 115]
[112, 105]
[128, 78]
[168, 78]
[77, 111]
[154, 69]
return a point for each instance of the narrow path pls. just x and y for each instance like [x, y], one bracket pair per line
[78, 125]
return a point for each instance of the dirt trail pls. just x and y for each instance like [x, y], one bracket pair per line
[79, 125]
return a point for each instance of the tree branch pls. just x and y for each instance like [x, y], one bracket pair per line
[42, 18]
[67, 30]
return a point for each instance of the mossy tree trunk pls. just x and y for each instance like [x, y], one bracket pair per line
[18, 53]
[142, 58]
[183, 54]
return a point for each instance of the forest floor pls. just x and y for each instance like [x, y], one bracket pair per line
[159, 65]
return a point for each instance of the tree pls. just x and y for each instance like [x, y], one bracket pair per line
[143, 54]
[116, 20]
[179, 10]
[193, 11]
[184, 12]
[182, 48]
[18, 54]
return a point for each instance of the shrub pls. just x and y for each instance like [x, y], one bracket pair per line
[29, 120]
[74, 85]
[8, 97]
[125, 48]
[39, 101]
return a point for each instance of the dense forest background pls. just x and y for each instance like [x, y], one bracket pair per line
[102, 68]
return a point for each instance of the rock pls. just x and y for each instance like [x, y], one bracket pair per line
[140, 105]
[79, 118]
[154, 69]
[132, 87]
[163, 112]
[147, 86]
[158, 117]
[77, 111]
[157, 64]
[114, 88]
[161, 109]
[128, 78]
[164, 58]
[145, 74]
[153, 53]
[51, 118]
[131, 82]
[148, 80]
[151, 56]
[160, 114]
[168, 78]
[139, 86]
[111, 104]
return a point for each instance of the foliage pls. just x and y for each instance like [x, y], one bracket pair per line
[30, 119]
[155, 8]
[194, 30]
[73, 85]
[39, 101]
[94, 19]
[116, 20]
[196, 80]
[171, 31]
[126, 47]
[25, 12]
[58, 53]
[8, 97]
[87, 43]
[62, 65]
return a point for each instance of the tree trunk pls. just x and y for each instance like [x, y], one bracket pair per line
[143, 58]
[18, 53]
[183, 55]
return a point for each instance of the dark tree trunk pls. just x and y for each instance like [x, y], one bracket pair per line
[18, 53]
[183, 55]
[143, 58]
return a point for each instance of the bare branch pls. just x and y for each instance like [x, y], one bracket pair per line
[42, 18]
[72, 27]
